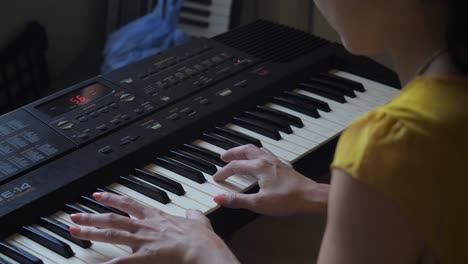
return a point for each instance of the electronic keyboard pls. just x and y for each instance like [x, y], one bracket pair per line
[154, 131]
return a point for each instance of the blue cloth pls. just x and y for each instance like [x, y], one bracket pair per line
[145, 36]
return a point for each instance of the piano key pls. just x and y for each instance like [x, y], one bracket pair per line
[240, 181]
[292, 120]
[368, 84]
[191, 190]
[74, 208]
[108, 250]
[40, 255]
[258, 127]
[183, 201]
[6, 260]
[180, 169]
[335, 78]
[169, 208]
[193, 161]
[18, 254]
[58, 246]
[298, 106]
[195, 11]
[279, 124]
[86, 255]
[63, 231]
[193, 22]
[98, 207]
[349, 108]
[218, 141]
[145, 189]
[348, 91]
[205, 154]
[41, 251]
[160, 181]
[202, 2]
[320, 105]
[322, 92]
[319, 122]
[284, 144]
[238, 137]
[230, 185]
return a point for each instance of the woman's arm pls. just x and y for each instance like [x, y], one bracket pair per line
[364, 226]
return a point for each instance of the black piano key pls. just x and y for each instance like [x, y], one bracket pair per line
[47, 241]
[160, 181]
[201, 2]
[193, 161]
[100, 208]
[280, 124]
[193, 22]
[350, 83]
[4, 261]
[73, 209]
[297, 105]
[325, 92]
[312, 101]
[62, 230]
[195, 11]
[234, 143]
[204, 154]
[238, 137]
[145, 189]
[291, 119]
[348, 91]
[181, 170]
[259, 127]
[18, 254]
[218, 141]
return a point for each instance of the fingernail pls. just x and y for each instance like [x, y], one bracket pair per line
[74, 230]
[97, 195]
[75, 217]
[220, 199]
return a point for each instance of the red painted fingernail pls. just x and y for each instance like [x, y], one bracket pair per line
[97, 195]
[75, 217]
[74, 230]
[220, 199]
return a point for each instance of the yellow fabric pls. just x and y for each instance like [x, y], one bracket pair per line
[415, 150]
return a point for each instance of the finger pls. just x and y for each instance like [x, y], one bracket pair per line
[236, 200]
[123, 203]
[113, 236]
[114, 221]
[245, 152]
[240, 167]
[197, 216]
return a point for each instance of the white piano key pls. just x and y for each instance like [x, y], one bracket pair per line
[309, 144]
[368, 84]
[192, 192]
[108, 250]
[169, 208]
[284, 144]
[311, 136]
[336, 118]
[86, 255]
[315, 121]
[32, 246]
[182, 201]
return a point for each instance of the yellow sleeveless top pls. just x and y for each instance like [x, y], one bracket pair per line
[415, 150]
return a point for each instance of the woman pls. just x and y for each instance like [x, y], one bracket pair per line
[397, 191]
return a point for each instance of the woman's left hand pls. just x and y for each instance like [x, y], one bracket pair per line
[154, 236]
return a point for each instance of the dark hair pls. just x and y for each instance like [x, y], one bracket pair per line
[457, 33]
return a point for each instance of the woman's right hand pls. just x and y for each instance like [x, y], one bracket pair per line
[283, 190]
